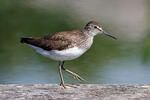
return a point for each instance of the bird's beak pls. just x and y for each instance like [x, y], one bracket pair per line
[105, 33]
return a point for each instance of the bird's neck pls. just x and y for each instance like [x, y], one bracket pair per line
[87, 41]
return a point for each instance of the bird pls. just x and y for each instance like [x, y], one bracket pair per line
[66, 45]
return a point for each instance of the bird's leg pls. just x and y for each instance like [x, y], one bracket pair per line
[74, 74]
[61, 76]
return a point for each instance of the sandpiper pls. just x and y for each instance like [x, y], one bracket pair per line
[66, 45]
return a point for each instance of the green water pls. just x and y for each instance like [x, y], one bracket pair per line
[107, 61]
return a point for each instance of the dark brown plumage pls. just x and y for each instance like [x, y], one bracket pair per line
[94, 23]
[57, 41]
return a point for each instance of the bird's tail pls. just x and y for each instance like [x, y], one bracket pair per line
[25, 40]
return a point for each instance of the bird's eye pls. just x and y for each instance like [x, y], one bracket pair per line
[95, 26]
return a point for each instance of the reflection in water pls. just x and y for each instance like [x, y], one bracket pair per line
[108, 61]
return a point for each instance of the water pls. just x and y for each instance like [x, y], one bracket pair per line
[107, 61]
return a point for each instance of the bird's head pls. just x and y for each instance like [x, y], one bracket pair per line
[95, 28]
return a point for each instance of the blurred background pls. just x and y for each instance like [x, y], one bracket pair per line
[122, 61]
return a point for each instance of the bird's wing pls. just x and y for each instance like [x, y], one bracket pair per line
[57, 41]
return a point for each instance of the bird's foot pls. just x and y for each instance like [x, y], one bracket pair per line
[79, 78]
[64, 85]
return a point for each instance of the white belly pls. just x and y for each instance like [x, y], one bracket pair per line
[62, 55]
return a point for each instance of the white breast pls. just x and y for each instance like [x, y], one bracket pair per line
[68, 54]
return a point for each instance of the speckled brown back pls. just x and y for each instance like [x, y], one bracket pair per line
[57, 41]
